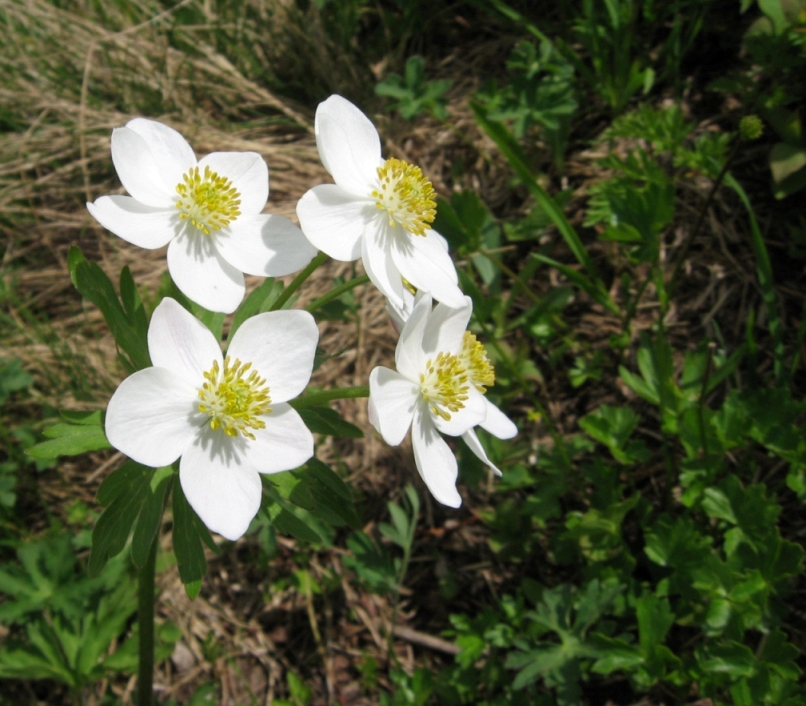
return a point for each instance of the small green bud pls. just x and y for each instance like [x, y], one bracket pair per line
[751, 127]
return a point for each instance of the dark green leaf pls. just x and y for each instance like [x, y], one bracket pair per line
[324, 420]
[150, 519]
[187, 541]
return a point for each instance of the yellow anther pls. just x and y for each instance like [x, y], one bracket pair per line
[444, 385]
[475, 360]
[406, 195]
[209, 201]
[234, 398]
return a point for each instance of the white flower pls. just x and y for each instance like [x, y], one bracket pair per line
[209, 211]
[377, 210]
[226, 417]
[442, 375]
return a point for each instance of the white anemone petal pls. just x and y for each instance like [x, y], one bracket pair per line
[138, 171]
[264, 245]
[281, 347]
[434, 459]
[394, 399]
[409, 358]
[152, 417]
[144, 226]
[219, 483]
[446, 328]
[497, 423]
[470, 415]
[181, 343]
[334, 221]
[426, 265]
[284, 443]
[473, 443]
[380, 267]
[248, 173]
[202, 274]
[169, 150]
[349, 145]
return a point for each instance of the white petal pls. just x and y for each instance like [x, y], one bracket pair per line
[409, 358]
[248, 173]
[138, 170]
[400, 314]
[472, 414]
[435, 460]
[203, 275]
[263, 245]
[181, 343]
[334, 220]
[220, 484]
[475, 446]
[446, 327]
[497, 423]
[171, 152]
[285, 443]
[281, 346]
[380, 267]
[152, 417]
[394, 399]
[424, 262]
[145, 226]
[349, 145]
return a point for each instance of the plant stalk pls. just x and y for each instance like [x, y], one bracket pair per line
[145, 621]
[340, 393]
[297, 282]
[336, 292]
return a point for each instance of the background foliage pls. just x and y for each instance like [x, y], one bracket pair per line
[620, 184]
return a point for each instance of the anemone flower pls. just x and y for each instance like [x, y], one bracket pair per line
[226, 417]
[438, 388]
[207, 212]
[380, 211]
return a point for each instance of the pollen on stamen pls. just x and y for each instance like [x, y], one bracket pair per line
[209, 201]
[234, 398]
[444, 385]
[406, 195]
[474, 358]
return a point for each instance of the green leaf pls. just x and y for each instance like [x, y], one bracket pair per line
[117, 521]
[288, 523]
[150, 519]
[325, 477]
[91, 281]
[69, 440]
[536, 663]
[94, 418]
[327, 421]
[292, 487]
[187, 540]
[729, 658]
[119, 482]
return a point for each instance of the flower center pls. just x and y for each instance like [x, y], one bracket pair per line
[474, 358]
[209, 201]
[234, 398]
[406, 195]
[444, 385]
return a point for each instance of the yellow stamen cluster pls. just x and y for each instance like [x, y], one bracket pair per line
[209, 201]
[234, 398]
[406, 195]
[444, 385]
[474, 358]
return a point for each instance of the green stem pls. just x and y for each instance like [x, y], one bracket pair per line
[296, 283]
[336, 292]
[145, 621]
[514, 276]
[340, 393]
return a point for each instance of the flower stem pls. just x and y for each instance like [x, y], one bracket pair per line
[337, 292]
[296, 283]
[145, 621]
[340, 393]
